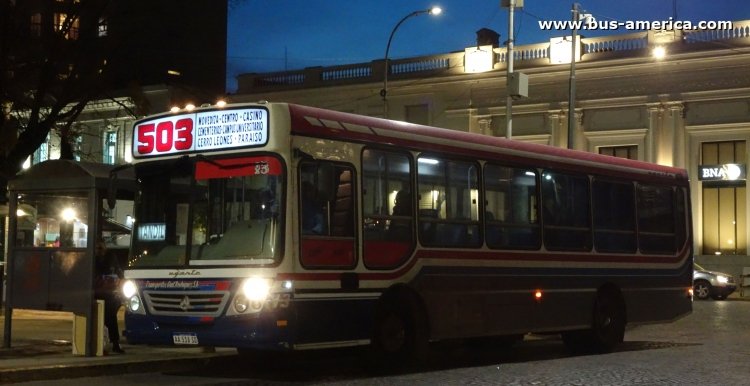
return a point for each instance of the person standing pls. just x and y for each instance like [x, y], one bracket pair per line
[106, 287]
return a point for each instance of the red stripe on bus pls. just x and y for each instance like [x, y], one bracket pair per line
[491, 256]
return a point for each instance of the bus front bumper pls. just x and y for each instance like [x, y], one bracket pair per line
[265, 331]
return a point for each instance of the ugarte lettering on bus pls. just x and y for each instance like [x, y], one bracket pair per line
[180, 273]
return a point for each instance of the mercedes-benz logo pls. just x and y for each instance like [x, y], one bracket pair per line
[185, 303]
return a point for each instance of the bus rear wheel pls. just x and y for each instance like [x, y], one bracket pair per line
[607, 326]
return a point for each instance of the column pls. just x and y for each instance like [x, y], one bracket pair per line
[558, 133]
[654, 130]
[484, 125]
[675, 121]
[579, 140]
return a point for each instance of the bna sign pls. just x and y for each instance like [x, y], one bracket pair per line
[725, 172]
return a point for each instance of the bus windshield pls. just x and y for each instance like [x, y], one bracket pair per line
[201, 211]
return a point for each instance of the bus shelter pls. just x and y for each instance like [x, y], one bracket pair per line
[59, 208]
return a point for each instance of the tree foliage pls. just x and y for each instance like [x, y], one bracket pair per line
[52, 64]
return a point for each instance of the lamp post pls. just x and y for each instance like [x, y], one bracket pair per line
[384, 92]
[509, 73]
[572, 82]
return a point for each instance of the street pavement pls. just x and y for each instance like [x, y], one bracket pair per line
[41, 349]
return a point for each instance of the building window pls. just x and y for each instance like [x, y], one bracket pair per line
[69, 28]
[77, 147]
[42, 153]
[109, 149]
[36, 24]
[418, 114]
[103, 27]
[724, 202]
[627, 151]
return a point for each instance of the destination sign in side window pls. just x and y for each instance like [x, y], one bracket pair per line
[202, 131]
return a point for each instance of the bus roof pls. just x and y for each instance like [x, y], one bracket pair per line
[338, 125]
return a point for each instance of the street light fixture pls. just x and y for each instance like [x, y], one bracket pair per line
[384, 92]
[659, 52]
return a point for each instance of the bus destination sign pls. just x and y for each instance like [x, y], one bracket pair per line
[201, 131]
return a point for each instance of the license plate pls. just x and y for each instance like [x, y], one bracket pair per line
[185, 339]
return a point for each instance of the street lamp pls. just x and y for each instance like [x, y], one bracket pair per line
[577, 16]
[384, 92]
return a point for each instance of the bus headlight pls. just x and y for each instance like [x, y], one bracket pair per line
[134, 304]
[129, 289]
[240, 304]
[256, 289]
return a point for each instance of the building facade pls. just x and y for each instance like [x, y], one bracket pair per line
[157, 58]
[689, 108]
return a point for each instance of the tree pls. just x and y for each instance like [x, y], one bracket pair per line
[52, 64]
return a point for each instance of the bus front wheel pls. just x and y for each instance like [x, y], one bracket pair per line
[399, 336]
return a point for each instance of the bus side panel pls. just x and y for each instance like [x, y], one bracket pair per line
[333, 319]
[464, 302]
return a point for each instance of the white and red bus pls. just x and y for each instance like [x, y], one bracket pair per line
[284, 227]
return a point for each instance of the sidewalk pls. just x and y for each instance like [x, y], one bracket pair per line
[41, 349]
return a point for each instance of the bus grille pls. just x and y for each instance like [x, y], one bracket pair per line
[186, 303]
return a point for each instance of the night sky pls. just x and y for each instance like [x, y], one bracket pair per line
[278, 35]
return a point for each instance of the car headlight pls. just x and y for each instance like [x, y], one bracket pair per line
[256, 289]
[722, 279]
[129, 289]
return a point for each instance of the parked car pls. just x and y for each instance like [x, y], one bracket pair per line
[716, 285]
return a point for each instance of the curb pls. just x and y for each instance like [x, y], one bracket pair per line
[45, 370]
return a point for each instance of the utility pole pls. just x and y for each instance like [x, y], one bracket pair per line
[572, 82]
[509, 72]
[511, 84]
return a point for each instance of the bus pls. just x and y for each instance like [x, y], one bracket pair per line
[275, 226]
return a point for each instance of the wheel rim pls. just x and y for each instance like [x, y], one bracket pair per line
[392, 335]
[702, 290]
[609, 321]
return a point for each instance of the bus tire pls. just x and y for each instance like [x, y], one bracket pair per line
[607, 326]
[400, 335]
[609, 320]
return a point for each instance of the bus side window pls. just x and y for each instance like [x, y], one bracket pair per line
[326, 215]
[656, 219]
[614, 216]
[448, 202]
[387, 207]
[510, 208]
[565, 211]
